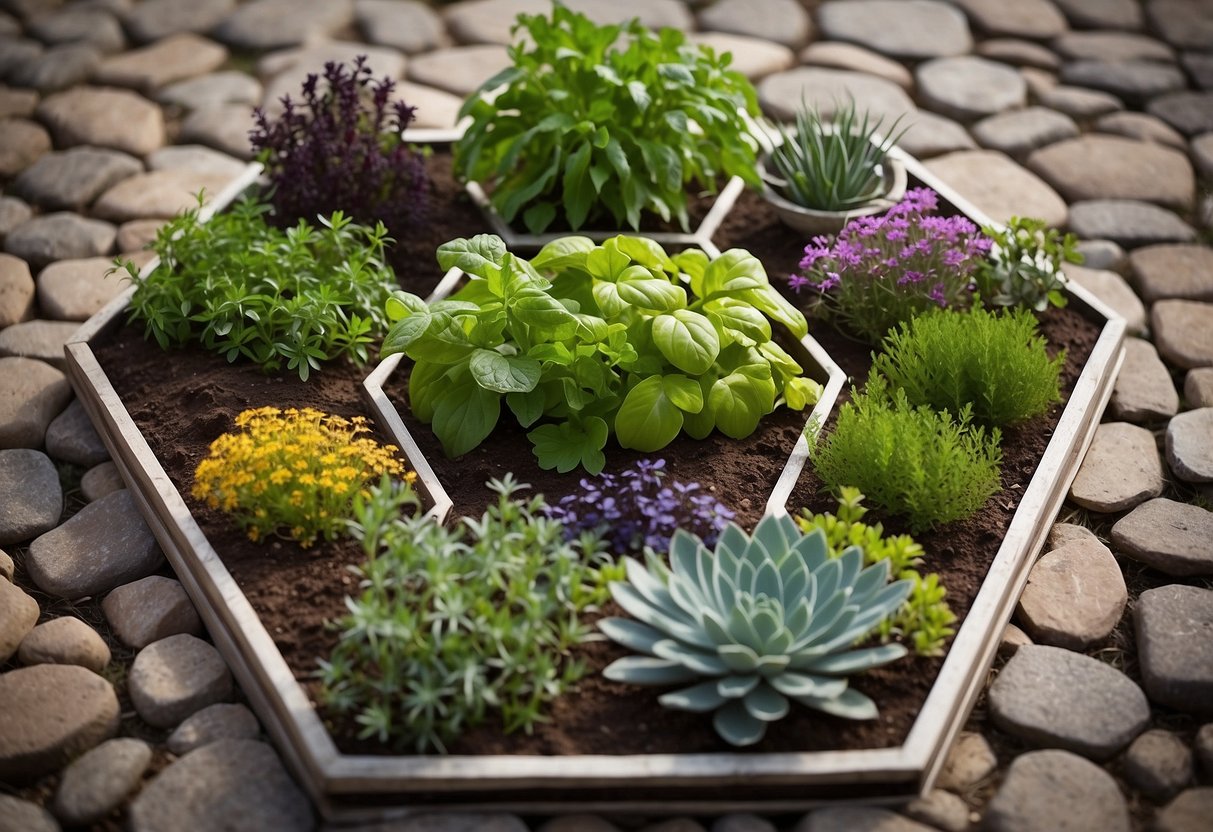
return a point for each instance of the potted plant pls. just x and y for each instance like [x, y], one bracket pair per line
[820, 175]
[603, 127]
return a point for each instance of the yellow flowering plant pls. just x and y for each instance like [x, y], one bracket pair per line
[294, 472]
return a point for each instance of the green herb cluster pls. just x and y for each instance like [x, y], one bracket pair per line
[1024, 266]
[618, 337]
[925, 619]
[835, 166]
[243, 288]
[994, 361]
[606, 120]
[456, 624]
[929, 466]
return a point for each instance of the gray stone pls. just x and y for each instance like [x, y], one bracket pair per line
[42, 340]
[1112, 167]
[72, 438]
[823, 89]
[1174, 626]
[1112, 46]
[1202, 154]
[999, 187]
[857, 819]
[1074, 597]
[1198, 387]
[1173, 271]
[1158, 764]
[65, 640]
[1200, 66]
[214, 90]
[1078, 102]
[969, 762]
[578, 823]
[1183, 332]
[1190, 445]
[101, 780]
[101, 480]
[20, 103]
[1113, 290]
[104, 117]
[1141, 127]
[752, 57]
[451, 822]
[297, 63]
[912, 29]
[155, 19]
[848, 56]
[408, 25]
[459, 70]
[1019, 132]
[175, 677]
[16, 53]
[1056, 790]
[175, 58]
[31, 394]
[275, 24]
[489, 21]
[779, 21]
[1019, 53]
[58, 68]
[13, 212]
[53, 712]
[1012, 639]
[22, 142]
[1063, 534]
[73, 178]
[149, 610]
[1188, 812]
[1121, 469]
[158, 194]
[1132, 81]
[969, 87]
[16, 290]
[258, 793]
[1053, 697]
[1144, 391]
[104, 545]
[224, 127]
[18, 815]
[1129, 222]
[435, 108]
[1187, 24]
[30, 493]
[59, 236]
[739, 823]
[1188, 112]
[674, 825]
[1037, 19]
[7, 567]
[940, 810]
[74, 290]
[928, 135]
[136, 235]
[211, 724]
[93, 27]
[18, 615]
[1112, 14]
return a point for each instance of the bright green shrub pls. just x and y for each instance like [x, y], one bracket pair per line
[916, 462]
[994, 361]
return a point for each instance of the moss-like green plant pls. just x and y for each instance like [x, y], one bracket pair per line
[994, 361]
[923, 464]
[925, 619]
[455, 623]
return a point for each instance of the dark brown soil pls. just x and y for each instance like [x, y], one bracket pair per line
[182, 404]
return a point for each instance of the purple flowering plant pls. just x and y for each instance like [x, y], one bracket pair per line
[341, 149]
[886, 269]
[637, 508]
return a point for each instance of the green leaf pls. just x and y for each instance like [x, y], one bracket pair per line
[685, 393]
[687, 340]
[738, 402]
[539, 215]
[801, 392]
[564, 253]
[404, 333]
[579, 191]
[444, 341]
[739, 316]
[504, 373]
[773, 304]
[732, 272]
[638, 287]
[565, 446]
[646, 252]
[540, 310]
[481, 255]
[606, 295]
[527, 407]
[607, 262]
[401, 305]
[464, 414]
[647, 420]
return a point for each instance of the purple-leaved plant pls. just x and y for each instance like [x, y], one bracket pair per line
[341, 149]
[635, 509]
[886, 269]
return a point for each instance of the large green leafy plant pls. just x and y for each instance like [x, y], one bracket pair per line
[594, 339]
[757, 623]
[606, 120]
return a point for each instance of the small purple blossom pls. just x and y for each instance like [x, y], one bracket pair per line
[636, 508]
